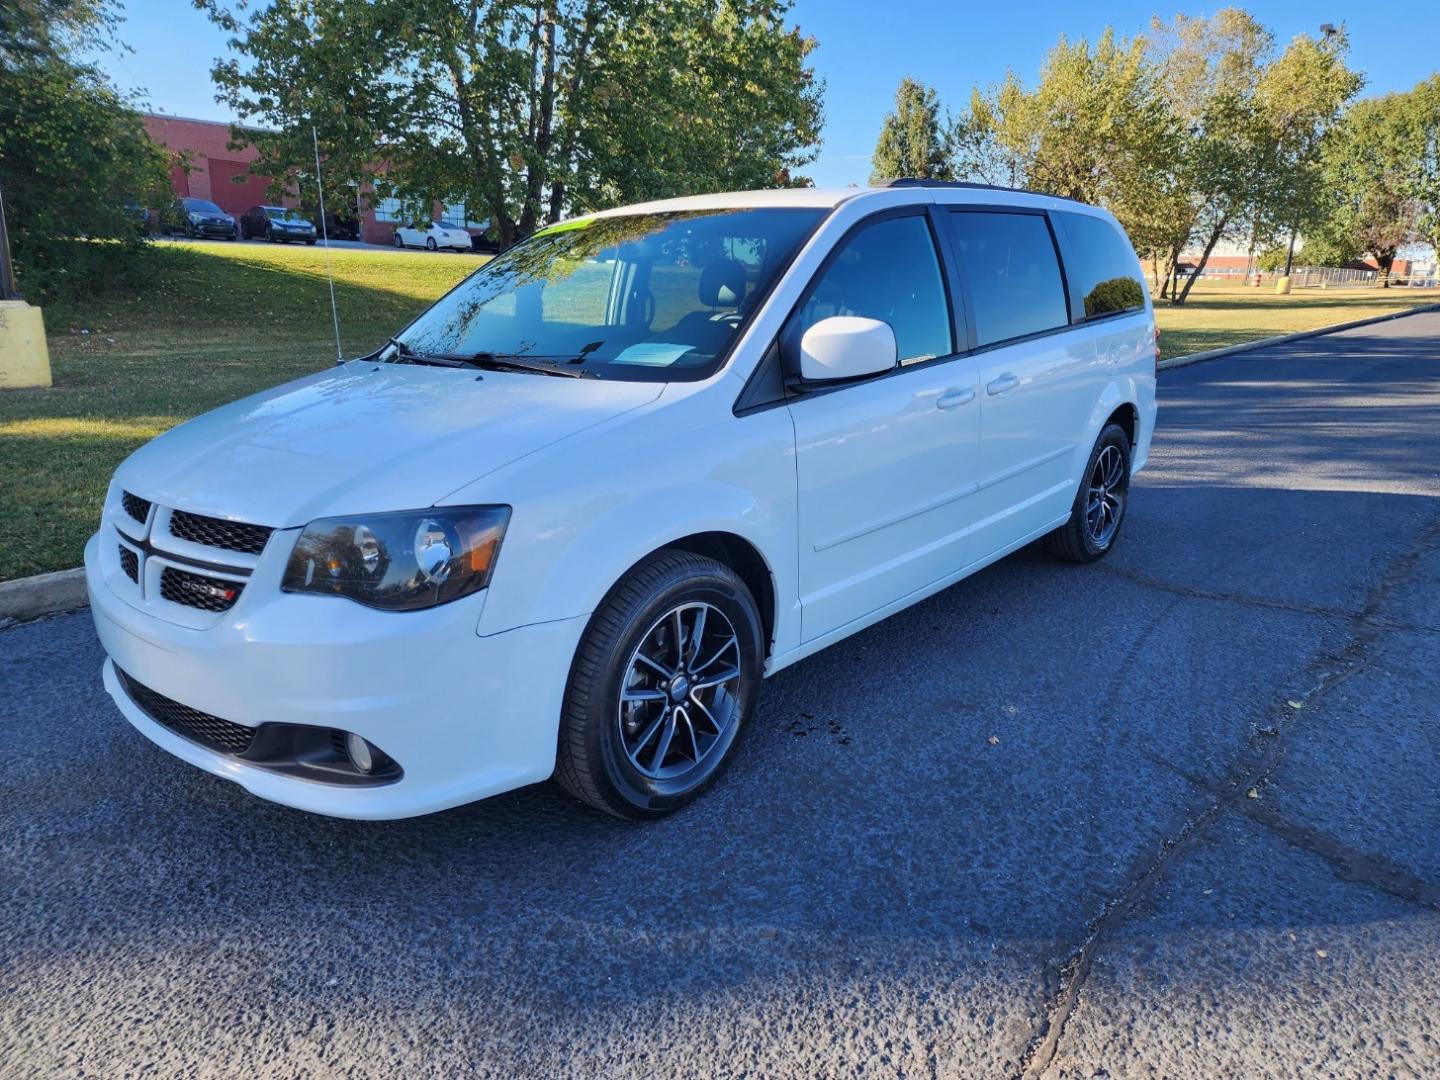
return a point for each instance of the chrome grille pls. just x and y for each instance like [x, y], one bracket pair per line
[218, 533]
[130, 563]
[198, 591]
[197, 726]
[135, 506]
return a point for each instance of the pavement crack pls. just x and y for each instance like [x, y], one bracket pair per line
[1272, 603]
[1346, 861]
[1250, 770]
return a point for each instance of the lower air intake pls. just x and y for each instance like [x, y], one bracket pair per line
[197, 726]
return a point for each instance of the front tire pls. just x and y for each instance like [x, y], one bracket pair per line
[662, 687]
[430, 243]
[399, 243]
[1099, 508]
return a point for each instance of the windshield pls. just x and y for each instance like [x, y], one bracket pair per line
[280, 213]
[200, 206]
[646, 297]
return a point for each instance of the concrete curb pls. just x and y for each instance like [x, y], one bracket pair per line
[1265, 343]
[44, 594]
[64, 590]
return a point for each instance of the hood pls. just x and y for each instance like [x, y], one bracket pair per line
[365, 438]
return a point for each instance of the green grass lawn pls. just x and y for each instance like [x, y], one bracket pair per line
[217, 321]
[1218, 315]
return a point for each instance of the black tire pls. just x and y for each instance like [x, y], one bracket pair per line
[1079, 540]
[592, 762]
[399, 243]
[311, 242]
[430, 243]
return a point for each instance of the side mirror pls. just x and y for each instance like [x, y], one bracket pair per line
[846, 347]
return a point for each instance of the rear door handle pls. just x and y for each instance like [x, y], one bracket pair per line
[959, 395]
[1003, 385]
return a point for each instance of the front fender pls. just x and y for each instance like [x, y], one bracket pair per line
[586, 513]
[571, 576]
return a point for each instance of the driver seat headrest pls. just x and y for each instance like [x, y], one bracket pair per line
[722, 283]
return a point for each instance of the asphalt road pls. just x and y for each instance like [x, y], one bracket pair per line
[1009, 830]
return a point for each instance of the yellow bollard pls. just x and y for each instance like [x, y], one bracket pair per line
[1282, 286]
[24, 357]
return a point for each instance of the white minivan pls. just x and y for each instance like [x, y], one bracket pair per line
[567, 520]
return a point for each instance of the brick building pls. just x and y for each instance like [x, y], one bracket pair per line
[215, 171]
[220, 174]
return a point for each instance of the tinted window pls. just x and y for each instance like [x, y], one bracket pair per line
[201, 206]
[888, 271]
[1102, 266]
[1011, 272]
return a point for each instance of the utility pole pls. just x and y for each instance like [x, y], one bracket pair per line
[8, 289]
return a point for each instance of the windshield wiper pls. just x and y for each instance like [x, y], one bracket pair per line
[516, 362]
[410, 356]
[490, 360]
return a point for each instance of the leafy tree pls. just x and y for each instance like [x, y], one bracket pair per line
[911, 141]
[72, 149]
[1375, 171]
[1299, 99]
[1425, 111]
[1096, 128]
[526, 109]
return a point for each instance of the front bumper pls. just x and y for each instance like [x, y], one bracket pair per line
[465, 716]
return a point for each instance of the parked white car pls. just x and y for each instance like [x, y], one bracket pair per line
[439, 234]
[568, 519]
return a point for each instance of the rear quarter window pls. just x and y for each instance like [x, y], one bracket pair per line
[1103, 270]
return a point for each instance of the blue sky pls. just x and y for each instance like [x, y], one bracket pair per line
[865, 49]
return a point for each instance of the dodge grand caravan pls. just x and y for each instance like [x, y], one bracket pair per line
[567, 520]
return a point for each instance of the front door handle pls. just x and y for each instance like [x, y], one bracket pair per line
[959, 395]
[1003, 385]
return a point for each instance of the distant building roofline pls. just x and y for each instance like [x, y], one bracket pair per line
[227, 124]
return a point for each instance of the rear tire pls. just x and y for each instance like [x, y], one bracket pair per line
[662, 687]
[430, 243]
[1099, 507]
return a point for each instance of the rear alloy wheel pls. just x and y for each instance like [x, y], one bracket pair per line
[1100, 503]
[398, 242]
[663, 685]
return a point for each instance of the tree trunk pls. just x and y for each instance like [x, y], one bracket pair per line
[544, 123]
[1385, 262]
[1215, 235]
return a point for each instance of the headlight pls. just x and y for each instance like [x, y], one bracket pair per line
[195, 219]
[399, 562]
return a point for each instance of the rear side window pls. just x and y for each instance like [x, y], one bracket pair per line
[1102, 266]
[887, 271]
[1012, 274]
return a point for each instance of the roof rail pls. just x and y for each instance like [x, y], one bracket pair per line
[916, 182]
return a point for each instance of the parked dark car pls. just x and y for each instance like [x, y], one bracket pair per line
[197, 218]
[484, 242]
[278, 224]
[337, 226]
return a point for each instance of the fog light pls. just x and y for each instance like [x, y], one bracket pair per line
[359, 751]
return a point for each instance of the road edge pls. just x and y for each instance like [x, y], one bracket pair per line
[44, 594]
[64, 590]
[1265, 343]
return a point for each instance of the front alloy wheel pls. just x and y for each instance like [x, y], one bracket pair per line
[661, 688]
[677, 702]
